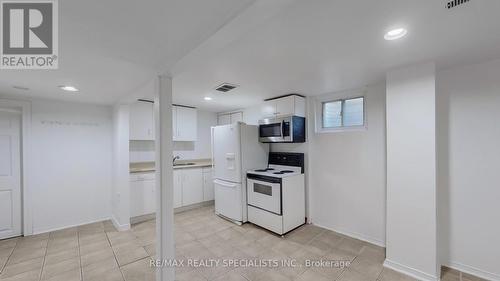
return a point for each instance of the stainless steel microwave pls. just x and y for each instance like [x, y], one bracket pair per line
[283, 129]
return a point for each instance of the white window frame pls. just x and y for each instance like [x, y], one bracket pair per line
[342, 96]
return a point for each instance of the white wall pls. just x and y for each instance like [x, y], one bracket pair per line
[144, 151]
[120, 190]
[411, 171]
[71, 146]
[469, 170]
[347, 173]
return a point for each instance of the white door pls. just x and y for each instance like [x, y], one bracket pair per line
[228, 201]
[226, 153]
[192, 186]
[10, 175]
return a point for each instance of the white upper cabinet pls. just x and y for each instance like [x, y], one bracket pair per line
[268, 109]
[224, 119]
[236, 117]
[142, 121]
[185, 123]
[289, 105]
[229, 118]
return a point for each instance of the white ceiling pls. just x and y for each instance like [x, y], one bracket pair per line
[109, 49]
[321, 46]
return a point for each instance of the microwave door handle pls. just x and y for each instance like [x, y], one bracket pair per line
[282, 129]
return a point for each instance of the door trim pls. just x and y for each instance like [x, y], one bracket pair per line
[25, 108]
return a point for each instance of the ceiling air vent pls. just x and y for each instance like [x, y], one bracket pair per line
[226, 87]
[454, 3]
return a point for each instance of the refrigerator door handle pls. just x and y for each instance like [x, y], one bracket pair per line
[219, 182]
[212, 129]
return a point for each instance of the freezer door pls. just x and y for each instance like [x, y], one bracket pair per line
[227, 153]
[228, 200]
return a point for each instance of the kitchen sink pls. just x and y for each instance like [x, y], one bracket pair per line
[184, 164]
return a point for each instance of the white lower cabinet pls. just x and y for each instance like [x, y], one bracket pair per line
[208, 184]
[142, 194]
[188, 186]
[192, 186]
[177, 188]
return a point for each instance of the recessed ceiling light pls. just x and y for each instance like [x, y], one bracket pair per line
[395, 34]
[68, 88]
[208, 98]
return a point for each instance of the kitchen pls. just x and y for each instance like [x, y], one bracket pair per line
[210, 149]
[253, 140]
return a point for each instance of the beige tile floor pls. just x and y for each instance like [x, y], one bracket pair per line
[98, 252]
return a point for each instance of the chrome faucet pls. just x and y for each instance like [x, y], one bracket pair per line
[175, 158]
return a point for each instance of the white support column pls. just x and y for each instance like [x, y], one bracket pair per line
[164, 184]
[411, 172]
[120, 195]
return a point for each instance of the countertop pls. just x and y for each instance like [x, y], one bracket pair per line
[144, 167]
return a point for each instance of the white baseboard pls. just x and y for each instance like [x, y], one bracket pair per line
[415, 273]
[356, 235]
[118, 226]
[474, 271]
[41, 231]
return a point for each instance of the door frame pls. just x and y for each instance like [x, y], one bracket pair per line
[25, 108]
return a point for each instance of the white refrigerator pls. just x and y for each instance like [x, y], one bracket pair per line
[235, 150]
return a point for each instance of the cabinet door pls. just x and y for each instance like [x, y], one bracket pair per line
[187, 124]
[192, 186]
[285, 106]
[268, 109]
[149, 196]
[174, 123]
[141, 121]
[236, 117]
[177, 188]
[136, 198]
[224, 119]
[208, 184]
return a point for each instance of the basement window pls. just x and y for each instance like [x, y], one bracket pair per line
[342, 114]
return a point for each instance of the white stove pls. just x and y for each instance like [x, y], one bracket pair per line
[278, 171]
[276, 194]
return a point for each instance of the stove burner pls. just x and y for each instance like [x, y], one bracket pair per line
[278, 173]
[264, 170]
[286, 171]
